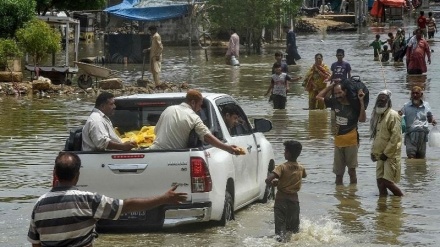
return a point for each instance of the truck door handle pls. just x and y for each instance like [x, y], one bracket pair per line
[127, 168]
[249, 148]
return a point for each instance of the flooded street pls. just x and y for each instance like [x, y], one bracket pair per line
[33, 130]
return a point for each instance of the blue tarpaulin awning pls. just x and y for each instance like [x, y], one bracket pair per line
[150, 10]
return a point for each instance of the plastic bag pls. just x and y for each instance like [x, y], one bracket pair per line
[434, 137]
[234, 61]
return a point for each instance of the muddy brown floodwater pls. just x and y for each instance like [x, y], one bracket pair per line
[33, 130]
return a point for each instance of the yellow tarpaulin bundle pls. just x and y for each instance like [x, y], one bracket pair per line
[143, 137]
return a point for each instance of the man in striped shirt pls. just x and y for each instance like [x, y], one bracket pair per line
[66, 216]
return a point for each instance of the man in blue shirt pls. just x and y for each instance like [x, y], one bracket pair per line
[417, 115]
[340, 69]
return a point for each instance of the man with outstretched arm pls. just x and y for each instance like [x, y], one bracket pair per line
[177, 121]
[66, 216]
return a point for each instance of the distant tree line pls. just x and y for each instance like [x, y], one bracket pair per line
[15, 13]
[251, 17]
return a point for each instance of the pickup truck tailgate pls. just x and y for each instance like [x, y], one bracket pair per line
[126, 175]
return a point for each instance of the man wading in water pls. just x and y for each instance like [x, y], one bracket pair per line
[347, 136]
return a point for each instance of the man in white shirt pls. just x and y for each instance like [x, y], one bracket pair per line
[176, 122]
[233, 46]
[98, 133]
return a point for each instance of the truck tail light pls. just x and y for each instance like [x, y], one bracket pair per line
[200, 176]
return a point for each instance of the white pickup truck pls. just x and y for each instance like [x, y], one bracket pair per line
[217, 182]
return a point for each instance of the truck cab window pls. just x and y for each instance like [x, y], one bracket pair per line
[235, 119]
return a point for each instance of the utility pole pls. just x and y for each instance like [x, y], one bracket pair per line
[191, 5]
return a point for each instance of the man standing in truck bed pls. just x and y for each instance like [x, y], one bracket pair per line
[176, 122]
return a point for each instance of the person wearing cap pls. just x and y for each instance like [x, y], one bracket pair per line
[417, 115]
[386, 131]
[176, 122]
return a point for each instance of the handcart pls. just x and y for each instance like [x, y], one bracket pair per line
[85, 80]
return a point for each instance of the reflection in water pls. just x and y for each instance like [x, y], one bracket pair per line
[417, 80]
[318, 121]
[416, 174]
[235, 74]
[280, 122]
[349, 208]
[388, 219]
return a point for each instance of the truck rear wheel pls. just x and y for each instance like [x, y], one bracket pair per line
[228, 210]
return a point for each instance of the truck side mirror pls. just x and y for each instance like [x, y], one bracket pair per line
[262, 125]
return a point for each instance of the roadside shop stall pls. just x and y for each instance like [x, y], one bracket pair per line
[388, 10]
[127, 46]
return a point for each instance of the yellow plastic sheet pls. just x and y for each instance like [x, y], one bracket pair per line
[143, 137]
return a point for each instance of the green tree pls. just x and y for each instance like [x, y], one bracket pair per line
[8, 51]
[69, 5]
[13, 14]
[251, 16]
[39, 40]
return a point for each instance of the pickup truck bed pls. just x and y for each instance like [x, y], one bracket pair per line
[217, 182]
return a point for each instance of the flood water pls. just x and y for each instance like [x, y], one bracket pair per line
[33, 130]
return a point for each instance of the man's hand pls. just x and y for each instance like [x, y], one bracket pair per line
[233, 149]
[274, 182]
[373, 157]
[172, 197]
[383, 157]
[429, 61]
[128, 145]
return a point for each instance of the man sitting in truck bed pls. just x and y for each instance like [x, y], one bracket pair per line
[176, 122]
[98, 133]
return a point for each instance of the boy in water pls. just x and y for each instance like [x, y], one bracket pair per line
[385, 54]
[340, 69]
[287, 177]
[279, 59]
[432, 28]
[279, 87]
[377, 45]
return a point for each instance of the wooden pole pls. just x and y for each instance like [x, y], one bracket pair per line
[191, 5]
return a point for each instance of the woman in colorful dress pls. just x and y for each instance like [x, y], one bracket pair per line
[315, 81]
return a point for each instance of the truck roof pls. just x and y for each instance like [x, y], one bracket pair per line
[209, 96]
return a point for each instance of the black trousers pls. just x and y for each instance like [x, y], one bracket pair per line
[279, 102]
